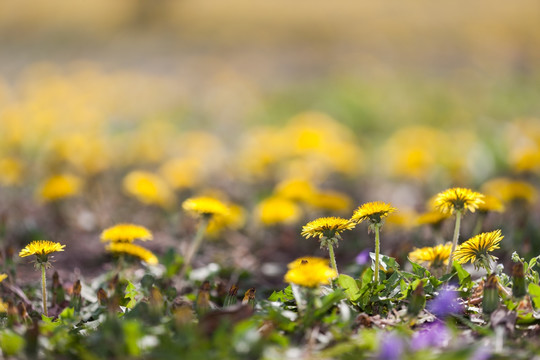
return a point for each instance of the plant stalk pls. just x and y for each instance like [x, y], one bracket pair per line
[454, 241]
[332, 258]
[44, 289]
[197, 241]
[377, 252]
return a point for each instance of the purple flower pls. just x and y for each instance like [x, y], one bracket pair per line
[481, 353]
[392, 347]
[445, 304]
[363, 258]
[434, 334]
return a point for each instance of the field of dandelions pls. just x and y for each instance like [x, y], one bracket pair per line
[206, 200]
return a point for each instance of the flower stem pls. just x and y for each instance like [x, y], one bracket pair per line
[44, 289]
[197, 241]
[332, 258]
[454, 241]
[377, 251]
[479, 224]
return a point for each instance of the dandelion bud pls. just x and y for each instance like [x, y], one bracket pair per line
[10, 251]
[490, 300]
[183, 315]
[57, 290]
[231, 298]
[31, 337]
[102, 297]
[202, 304]
[249, 297]
[518, 281]
[76, 300]
[156, 298]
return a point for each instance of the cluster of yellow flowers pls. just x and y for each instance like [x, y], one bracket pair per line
[291, 198]
[476, 250]
[120, 240]
[305, 271]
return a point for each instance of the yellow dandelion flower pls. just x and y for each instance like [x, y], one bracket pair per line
[434, 218]
[307, 259]
[477, 248]
[310, 274]
[11, 171]
[205, 206]
[375, 212]
[491, 203]
[87, 152]
[295, 189]
[527, 159]
[327, 227]
[458, 200]
[330, 200]
[41, 247]
[182, 173]
[508, 190]
[3, 307]
[234, 219]
[134, 250]
[125, 233]
[404, 219]
[148, 188]
[277, 210]
[435, 256]
[414, 152]
[3, 277]
[59, 187]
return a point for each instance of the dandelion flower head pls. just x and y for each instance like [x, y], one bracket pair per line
[234, 219]
[330, 200]
[434, 218]
[205, 206]
[41, 248]
[182, 173]
[11, 171]
[295, 189]
[435, 256]
[310, 273]
[3, 307]
[328, 227]
[148, 188]
[458, 199]
[59, 187]
[375, 212]
[477, 248]
[491, 204]
[3, 277]
[508, 190]
[277, 210]
[134, 250]
[126, 233]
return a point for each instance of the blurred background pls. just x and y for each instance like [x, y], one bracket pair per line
[119, 110]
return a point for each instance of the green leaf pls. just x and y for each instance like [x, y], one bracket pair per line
[282, 295]
[349, 285]
[11, 343]
[386, 262]
[419, 269]
[132, 335]
[367, 277]
[463, 275]
[328, 301]
[534, 291]
[67, 314]
[131, 293]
